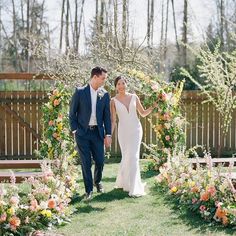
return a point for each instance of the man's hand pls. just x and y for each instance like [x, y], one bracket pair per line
[107, 141]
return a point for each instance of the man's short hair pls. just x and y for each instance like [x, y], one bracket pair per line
[97, 71]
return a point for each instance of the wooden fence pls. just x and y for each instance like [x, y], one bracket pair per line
[20, 116]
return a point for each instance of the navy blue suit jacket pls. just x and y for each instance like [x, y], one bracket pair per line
[81, 108]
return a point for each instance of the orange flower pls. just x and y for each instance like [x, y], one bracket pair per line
[51, 203]
[225, 220]
[195, 189]
[55, 135]
[205, 197]
[14, 222]
[220, 213]
[56, 102]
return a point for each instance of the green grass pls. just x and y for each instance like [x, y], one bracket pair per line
[115, 213]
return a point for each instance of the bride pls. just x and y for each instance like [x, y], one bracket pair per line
[130, 133]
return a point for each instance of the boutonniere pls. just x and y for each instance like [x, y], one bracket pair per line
[101, 92]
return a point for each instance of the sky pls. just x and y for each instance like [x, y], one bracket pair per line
[200, 14]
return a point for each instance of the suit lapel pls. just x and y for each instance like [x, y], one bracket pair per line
[88, 96]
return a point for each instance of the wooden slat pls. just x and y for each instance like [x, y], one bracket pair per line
[22, 76]
[200, 124]
[210, 121]
[17, 164]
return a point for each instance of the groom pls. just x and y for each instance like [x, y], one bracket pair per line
[90, 123]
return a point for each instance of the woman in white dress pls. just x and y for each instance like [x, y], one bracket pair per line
[130, 133]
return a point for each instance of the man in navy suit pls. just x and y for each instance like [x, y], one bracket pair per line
[90, 121]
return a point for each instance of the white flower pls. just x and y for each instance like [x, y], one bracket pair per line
[101, 92]
[167, 125]
[43, 205]
[155, 87]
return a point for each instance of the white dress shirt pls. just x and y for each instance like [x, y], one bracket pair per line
[94, 94]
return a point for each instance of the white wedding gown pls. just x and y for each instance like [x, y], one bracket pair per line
[129, 136]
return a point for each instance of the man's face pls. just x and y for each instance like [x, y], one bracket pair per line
[101, 79]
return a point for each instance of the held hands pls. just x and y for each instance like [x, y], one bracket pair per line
[107, 141]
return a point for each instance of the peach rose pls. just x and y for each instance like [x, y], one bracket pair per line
[51, 203]
[14, 222]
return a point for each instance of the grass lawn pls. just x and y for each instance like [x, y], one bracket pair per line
[115, 213]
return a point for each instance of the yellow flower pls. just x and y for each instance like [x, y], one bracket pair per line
[174, 189]
[191, 183]
[46, 213]
[59, 126]
[11, 211]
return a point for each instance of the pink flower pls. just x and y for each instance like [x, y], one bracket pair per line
[202, 208]
[211, 190]
[3, 217]
[33, 205]
[56, 102]
[51, 123]
[167, 138]
[155, 87]
[194, 200]
[166, 116]
[14, 200]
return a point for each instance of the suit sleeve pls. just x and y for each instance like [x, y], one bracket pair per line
[74, 106]
[107, 116]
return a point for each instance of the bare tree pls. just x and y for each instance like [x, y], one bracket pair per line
[166, 29]
[150, 22]
[124, 23]
[62, 23]
[184, 37]
[67, 26]
[174, 20]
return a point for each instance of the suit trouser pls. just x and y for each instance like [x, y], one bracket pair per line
[91, 145]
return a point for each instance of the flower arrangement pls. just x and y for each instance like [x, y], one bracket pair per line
[203, 190]
[56, 133]
[43, 202]
[169, 123]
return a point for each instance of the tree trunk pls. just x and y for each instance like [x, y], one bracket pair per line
[174, 20]
[97, 16]
[148, 23]
[101, 20]
[222, 20]
[166, 30]
[124, 23]
[67, 26]
[115, 21]
[79, 27]
[185, 39]
[62, 23]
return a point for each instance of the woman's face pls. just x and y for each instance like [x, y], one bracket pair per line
[121, 86]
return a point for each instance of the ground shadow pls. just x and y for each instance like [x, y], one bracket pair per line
[109, 179]
[115, 194]
[148, 174]
[87, 208]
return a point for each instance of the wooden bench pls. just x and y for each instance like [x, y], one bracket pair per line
[230, 162]
[19, 164]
